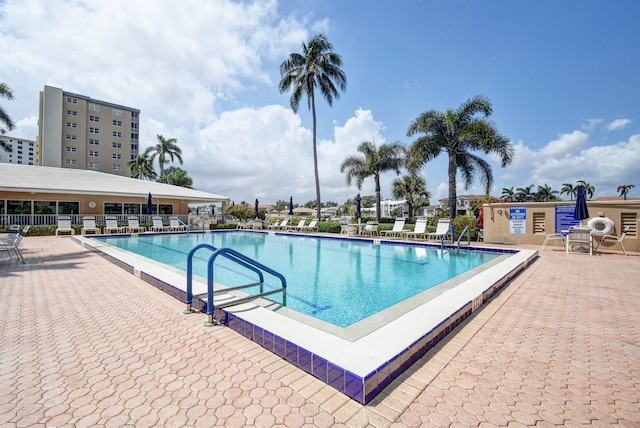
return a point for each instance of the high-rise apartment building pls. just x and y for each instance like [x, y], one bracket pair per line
[76, 131]
[23, 152]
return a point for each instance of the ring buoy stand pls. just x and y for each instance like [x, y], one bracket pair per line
[600, 225]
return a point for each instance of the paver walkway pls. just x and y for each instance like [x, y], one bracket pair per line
[83, 343]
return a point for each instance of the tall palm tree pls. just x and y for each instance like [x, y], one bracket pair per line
[412, 188]
[624, 189]
[457, 133]
[166, 148]
[372, 163]
[545, 193]
[508, 194]
[142, 167]
[524, 193]
[5, 120]
[589, 190]
[569, 189]
[317, 67]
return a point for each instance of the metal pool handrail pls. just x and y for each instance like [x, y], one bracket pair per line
[240, 259]
[466, 230]
[453, 235]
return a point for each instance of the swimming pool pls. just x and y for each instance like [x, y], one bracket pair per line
[363, 358]
[335, 280]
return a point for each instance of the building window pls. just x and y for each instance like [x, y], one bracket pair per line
[93, 153]
[70, 137]
[72, 100]
[116, 145]
[94, 130]
[94, 118]
[72, 125]
[94, 165]
[117, 134]
[116, 112]
[94, 107]
[65, 207]
[70, 161]
[117, 123]
[116, 167]
[71, 149]
[72, 112]
[94, 141]
[116, 156]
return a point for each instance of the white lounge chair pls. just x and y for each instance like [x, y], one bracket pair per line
[441, 229]
[157, 225]
[579, 236]
[134, 225]
[370, 229]
[283, 225]
[551, 237]
[613, 239]
[13, 246]
[175, 225]
[274, 226]
[89, 226]
[111, 225]
[420, 229]
[64, 226]
[397, 231]
[11, 234]
[311, 227]
[298, 227]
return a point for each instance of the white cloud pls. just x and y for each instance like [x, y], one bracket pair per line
[565, 144]
[618, 124]
[591, 124]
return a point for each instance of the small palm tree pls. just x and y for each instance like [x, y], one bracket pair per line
[508, 194]
[177, 177]
[166, 148]
[317, 67]
[624, 189]
[524, 194]
[545, 193]
[589, 190]
[569, 189]
[372, 163]
[457, 133]
[412, 188]
[142, 167]
[5, 119]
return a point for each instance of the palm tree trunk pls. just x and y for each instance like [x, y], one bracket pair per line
[315, 155]
[377, 180]
[453, 203]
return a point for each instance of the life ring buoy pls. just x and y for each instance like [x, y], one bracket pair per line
[600, 225]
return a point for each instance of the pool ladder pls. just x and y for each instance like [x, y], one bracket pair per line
[239, 259]
[451, 230]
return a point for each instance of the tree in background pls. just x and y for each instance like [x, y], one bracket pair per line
[508, 194]
[545, 194]
[624, 189]
[569, 189]
[176, 177]
[413, 189]
[524, 194]
[142, 167]
[5, 119]
[372, 163]
[164, 150]
[317, 67]
[589, 190]
[457, 133]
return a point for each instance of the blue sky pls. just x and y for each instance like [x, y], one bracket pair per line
[562, 76]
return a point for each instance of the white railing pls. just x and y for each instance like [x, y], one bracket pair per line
[52, 219]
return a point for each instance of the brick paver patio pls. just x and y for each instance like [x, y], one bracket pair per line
[83, 343]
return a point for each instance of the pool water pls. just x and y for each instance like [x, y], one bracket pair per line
[339, 281]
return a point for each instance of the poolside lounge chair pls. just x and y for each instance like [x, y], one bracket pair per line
[397, 231]
[579, 236]
[441, 229]
[370, 229]
[64, 226]
[134, 225]
[176, 225]
[89, 225]
[551, 237]
[311, 227]
[614, 240]
[111, 225]
[157, 225]
[257, 224]
[283, 225]
[298, 227]
[274, 226]
[11, 234]
[13, 246]
[420, 229]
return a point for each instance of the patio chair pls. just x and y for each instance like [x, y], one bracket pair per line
[283, 225]
[157, 225]
[274, 226]
[299, 226]
[257, 224]
[613, 239]
[13, 246]
[11, 234]
[579, 236]
[64, 226]
[312, 226]
[134, 225]
[111, 226]
[441, 229]
[551, 237]
[89, 225]
[370, 229]
[420, 229]
[176, 225]
[397, 231]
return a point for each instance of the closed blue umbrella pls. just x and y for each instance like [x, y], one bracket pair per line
[255, 210]
[358, 214]
[149, 204]
[291, 205]
[581, 211]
